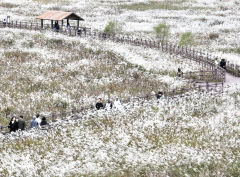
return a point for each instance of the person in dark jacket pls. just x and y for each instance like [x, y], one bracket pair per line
[44, 121]
[13, 125]
[159, 95]
[56, 26]
[223, 63]
[179, 73]
[21, 123]
[99, 104]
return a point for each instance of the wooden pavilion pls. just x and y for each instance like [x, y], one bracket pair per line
[59, 16]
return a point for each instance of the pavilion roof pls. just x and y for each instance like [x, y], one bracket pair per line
[59, 15]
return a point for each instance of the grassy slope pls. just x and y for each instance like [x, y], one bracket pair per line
[197, 136]
[173, 138]
[48, 72]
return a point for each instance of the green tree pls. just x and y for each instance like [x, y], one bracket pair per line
[187, 38]
[112, 28]
[162, 31]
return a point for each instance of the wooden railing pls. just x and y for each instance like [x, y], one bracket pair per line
[205, 87]
[203, 58]
[204, 76]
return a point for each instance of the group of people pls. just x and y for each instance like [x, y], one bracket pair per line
[18, 123]
[109, 105]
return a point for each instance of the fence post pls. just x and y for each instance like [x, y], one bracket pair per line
[207, 85]
[216, 74]
[201, 75]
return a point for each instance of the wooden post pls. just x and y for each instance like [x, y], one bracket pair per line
[207, 85]
[41, 23]
[77, 24]
[51, 24]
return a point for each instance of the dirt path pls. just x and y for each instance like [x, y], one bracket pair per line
[230, 79]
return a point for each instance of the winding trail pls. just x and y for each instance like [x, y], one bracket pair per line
[230, 79]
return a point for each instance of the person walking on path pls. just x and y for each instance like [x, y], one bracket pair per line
[44, 121]
[33, 123]
[159, 95]
[21, 123]
[99, 104]
[38, 120]
[223, 63]
[4, 22]
[179, 73]
[117, 104]
[108, 106]
[13, 125]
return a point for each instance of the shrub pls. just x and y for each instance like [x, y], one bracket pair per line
[8, 5]
[187, 39]
[6, 43]
[151, 5]
[216, 22]
[161, 31]
[213, 36]
[112, 28]
[238, 50]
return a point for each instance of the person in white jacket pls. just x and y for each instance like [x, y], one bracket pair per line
[38, 120]
[117, 104]
[108, 106]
